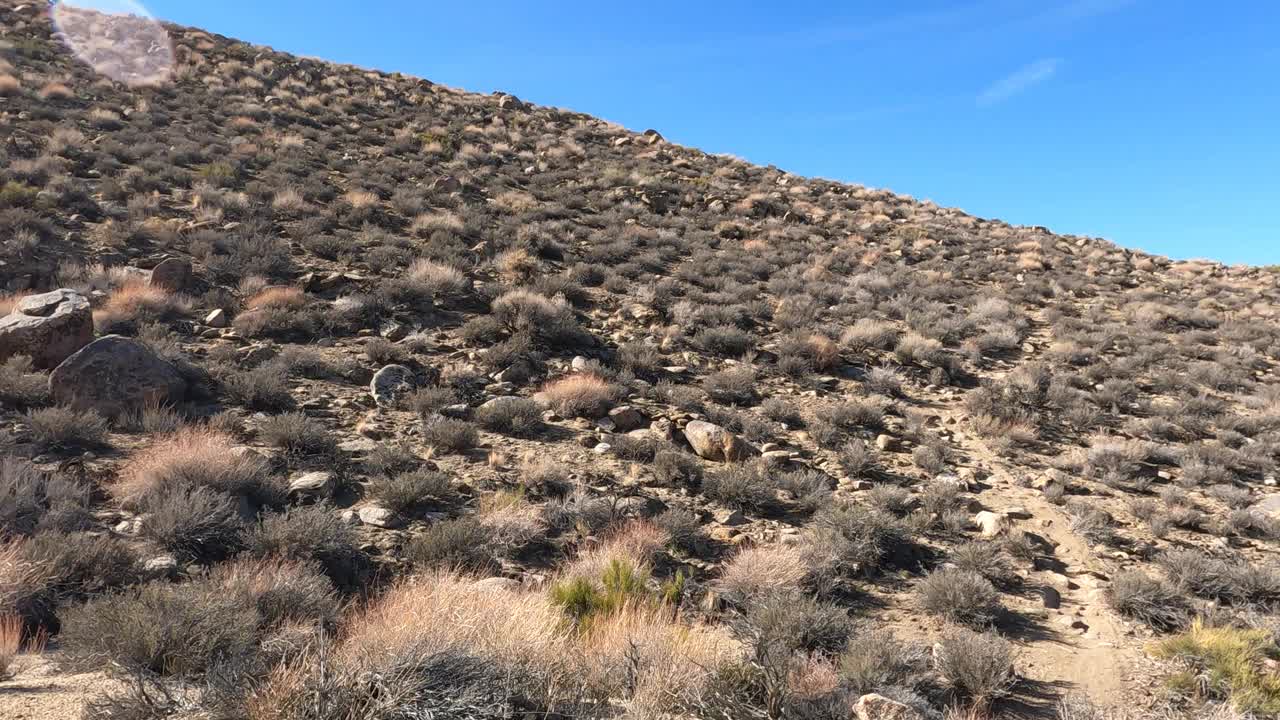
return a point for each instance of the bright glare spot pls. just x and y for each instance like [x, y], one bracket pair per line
[117, 38]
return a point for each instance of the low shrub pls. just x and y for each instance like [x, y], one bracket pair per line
[32, 500]
[961, 596]
[62, 428]
[978, 666]
[198, 457]
[316, 534]
[409, 492]
[159, 628]
[299, 436]
[798, 623]
[448, 435]
[743, 486]
[462, 544]
[520, 417]
[20, 385]
[192, 522]
[1230, 663]
[1148, 600]
[735, 386]
[758, 572]
[580, 395]
[848, 540]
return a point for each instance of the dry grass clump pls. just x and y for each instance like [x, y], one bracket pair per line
[137, 303]
[978, 666]
[35, 500]
[280, 312]
[961, 596]
[63, 428]
[759, 571]
[1148, 600]
[580, 395]
[437, 278]
[549, 319]
[1226, 664]
[9, 85]
[198, 457]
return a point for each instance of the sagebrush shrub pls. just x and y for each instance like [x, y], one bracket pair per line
[961, 596]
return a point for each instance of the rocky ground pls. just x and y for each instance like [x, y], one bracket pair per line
[305, 346]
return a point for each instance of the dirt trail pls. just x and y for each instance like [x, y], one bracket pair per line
[40, 692]
[1087, 650]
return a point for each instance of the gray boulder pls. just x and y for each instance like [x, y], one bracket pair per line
[171, 274]
[48, 327]
[115, 375]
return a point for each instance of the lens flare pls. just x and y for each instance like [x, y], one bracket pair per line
[117, 38]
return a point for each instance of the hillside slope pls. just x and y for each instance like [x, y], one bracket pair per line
[423, 401]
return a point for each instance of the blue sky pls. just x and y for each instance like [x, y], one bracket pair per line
[1153, 123]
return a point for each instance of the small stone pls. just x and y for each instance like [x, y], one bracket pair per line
[625, 418]
[380, 517]
[725, 516]
[874, 706]
[161, 566]
[216, 318]
[498, 584]
[314, 484]
[991, 524]
[887, 443]
[579, 363]
[602, 448]
[1017, 513]
[1051, 598]
[47, 328]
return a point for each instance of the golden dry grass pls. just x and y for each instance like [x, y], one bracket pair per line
[139, 300]
[9, 85]
[278, 297]
[580, 395]
[9, 302]
[759, 571]
[195, 455]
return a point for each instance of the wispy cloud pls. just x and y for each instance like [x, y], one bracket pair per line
[1024, 78]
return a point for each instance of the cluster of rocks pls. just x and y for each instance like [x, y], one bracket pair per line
[111, 375]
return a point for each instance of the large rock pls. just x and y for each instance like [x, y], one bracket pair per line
[715, 443]
[874, 706]
[391, 384]
[115, 375]
[171, 274]
[48, 327]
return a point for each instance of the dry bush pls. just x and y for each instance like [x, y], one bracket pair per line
[197, 457]
[300, 436]
[192, 521]
[520, 417]
[961, 596]
[759, 571]
[1148, 600]
[410, 492]
[313, 534]
[743, 486]
[979, 666]
[580, 395]
[35, 500]
[448, 435]
[549, 319]
[461, 544]
[437, 279]
[278, 312]
[138, 303]
[62, 428]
